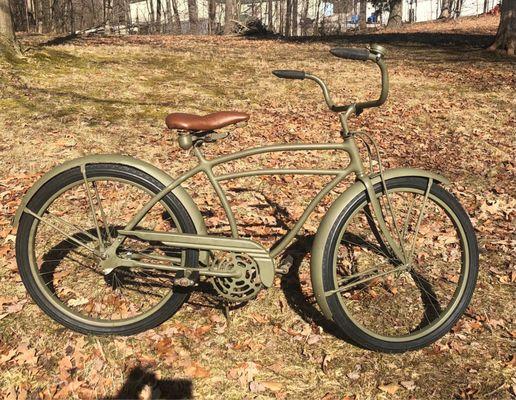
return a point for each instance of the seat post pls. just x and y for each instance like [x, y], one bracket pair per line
[198, 152]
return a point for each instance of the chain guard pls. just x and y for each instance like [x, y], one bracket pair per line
[243, 288]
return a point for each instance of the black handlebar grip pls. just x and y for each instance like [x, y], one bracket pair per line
[351, 53]
[289, 74]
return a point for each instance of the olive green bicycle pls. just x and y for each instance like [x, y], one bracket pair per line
[108, 244]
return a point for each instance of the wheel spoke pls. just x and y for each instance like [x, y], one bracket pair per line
[102, 213]
[69, 237]
[420, 218]
[361, 281]
[93, 211]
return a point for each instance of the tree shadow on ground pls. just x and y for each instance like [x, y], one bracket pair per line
[435, 47]
[142, 379]
[404, 38]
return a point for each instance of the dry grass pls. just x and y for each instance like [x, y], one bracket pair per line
[451, 110]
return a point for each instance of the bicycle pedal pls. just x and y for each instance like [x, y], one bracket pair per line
[285, 265]
[184, 282]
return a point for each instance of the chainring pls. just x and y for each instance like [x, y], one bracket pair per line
[243, 288]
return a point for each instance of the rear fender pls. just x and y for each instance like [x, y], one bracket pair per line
[158, 174]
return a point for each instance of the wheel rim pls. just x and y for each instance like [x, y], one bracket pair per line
[406, 299]
[85, 294]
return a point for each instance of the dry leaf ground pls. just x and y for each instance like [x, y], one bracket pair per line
[451, 110]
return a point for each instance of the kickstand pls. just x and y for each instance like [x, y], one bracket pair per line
[225, 310]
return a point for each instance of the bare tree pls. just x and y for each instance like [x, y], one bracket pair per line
[304, 17]
[158, 16]
[363, 15]
[72, 16]
[212, 11]
[294, 17]
[8, 42]
[229, 14]
[177, 19]
[505, 39]
[108, 15]
[446, 6]
[193, 16]
[457, 9]
[270, 24]
[288, 18]
[395, 14]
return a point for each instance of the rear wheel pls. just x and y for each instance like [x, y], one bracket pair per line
[58, 252]
[382, 303]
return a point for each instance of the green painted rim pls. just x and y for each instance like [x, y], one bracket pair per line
[59, 304]
[461, 286]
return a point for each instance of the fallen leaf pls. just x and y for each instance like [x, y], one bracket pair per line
[255, 387]
[353, 375]
[409, 385]
[78, 302]
[65, 365]
[272, 386]
[390, 388]
[195, 370]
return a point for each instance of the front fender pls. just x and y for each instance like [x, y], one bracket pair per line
[336, 208]
[161, 176]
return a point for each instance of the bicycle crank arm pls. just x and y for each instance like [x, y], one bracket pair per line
[209, 242]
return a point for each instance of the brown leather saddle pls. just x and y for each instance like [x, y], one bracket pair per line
[203, 123]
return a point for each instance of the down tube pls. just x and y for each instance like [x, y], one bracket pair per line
[311, 206]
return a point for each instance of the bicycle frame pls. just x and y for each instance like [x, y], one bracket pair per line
[234, 243]
[206, 166]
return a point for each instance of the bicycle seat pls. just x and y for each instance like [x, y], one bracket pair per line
[210, 122]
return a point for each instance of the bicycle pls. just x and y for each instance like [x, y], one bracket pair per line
[108, 244]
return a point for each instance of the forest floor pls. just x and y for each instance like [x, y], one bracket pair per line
[451, 110]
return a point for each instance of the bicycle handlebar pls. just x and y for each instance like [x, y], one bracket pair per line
[289, 74]
[375, 53]
[351, 53]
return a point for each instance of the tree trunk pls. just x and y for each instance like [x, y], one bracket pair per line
[193, 16]
[363, 15]
[445, 9]
[8, 44]
[177, 19]
[395, 15]
[281, 16]
[457, 10]
[316, 22]
[127, 14]
[229, 14]
[304, 16]
[152, 22]
[158, 17]
[288, 18]
[72, 17]
[505, 39]
[45, 11]
[108, 12]
[212, 12]
[270, 24]
[294, 17]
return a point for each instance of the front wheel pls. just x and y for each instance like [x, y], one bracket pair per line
[383, 303]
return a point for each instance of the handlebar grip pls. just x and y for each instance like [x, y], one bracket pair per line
[289, 74]
[351, 53]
